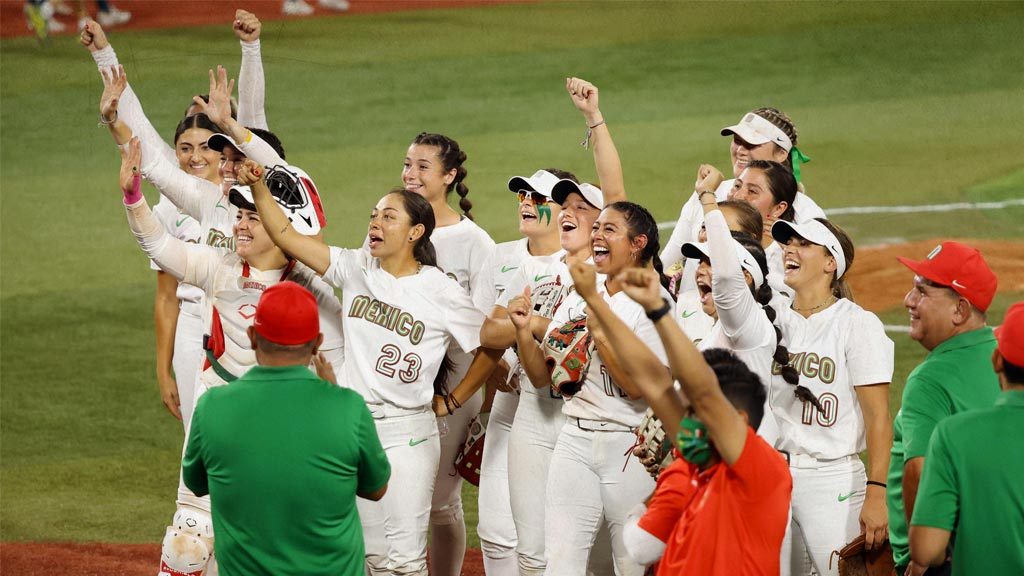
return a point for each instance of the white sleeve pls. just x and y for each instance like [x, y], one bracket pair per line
[251, 87]
[344, 263]
[804, 208]
[258, 149]
[869, 351]
[643, 547]
[689, 215]
[190, 263]
[487, 290]
[737, 309]
[189, 193]
[129, 109]
[164, 213]
[645, 330]
[463, 319]
[479, 255]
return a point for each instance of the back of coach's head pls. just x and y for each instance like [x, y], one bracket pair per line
[286, 329]
[1008, 358]
[742, 387]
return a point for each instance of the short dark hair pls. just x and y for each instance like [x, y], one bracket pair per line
[293, 350]
[1014, 373]
[271, 139]
[742, 387]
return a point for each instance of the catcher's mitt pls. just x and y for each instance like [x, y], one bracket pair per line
[471, 456]
[650, 435]
[856, 560]
[569, 350]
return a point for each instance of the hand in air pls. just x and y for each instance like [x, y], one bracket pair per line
[584, 98]
[246, 26]
[92, 36]
[114, 83]
[218, 110]
[249, 173]
[643, 286]
[584, 277]
[520, 309]
[708, 178]
[131, 158]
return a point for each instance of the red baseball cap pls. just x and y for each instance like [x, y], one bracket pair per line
[959, 267]
[287, 314]
[1010, 336]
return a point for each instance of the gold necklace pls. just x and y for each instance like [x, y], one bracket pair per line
[831, 299]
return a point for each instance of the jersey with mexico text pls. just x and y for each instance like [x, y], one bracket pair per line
[399, 329]
[834, 351]
[600, 398]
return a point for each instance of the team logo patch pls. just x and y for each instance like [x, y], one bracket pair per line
[247, 311]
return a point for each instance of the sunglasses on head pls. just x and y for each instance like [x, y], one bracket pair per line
[538, 198]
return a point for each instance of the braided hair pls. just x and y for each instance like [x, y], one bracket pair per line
[641, 222]
[782, 122]
[763, 296]
[452, 158]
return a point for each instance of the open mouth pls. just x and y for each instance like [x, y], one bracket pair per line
[244, 240]
[413, 187]
[375, 240]
[527, 216]
[601, 255]
[568, 226]
[791, 266]
[198, 168]
[705, 290]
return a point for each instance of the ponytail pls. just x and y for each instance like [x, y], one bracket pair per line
[420, 212]
[840, 287]
[641, 222]
[452, 158]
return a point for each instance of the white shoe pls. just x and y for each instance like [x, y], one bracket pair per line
[336, 5]
[113, 17]
[296, 8]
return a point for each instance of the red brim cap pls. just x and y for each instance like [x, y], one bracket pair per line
[1010, 335]
[959, 267]
[287, 314]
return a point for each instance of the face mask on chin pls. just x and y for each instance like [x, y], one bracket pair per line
[693, 442]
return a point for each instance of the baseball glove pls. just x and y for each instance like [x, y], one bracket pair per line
[856, 560]
[569, 349]
[656, 448]
[471, 457]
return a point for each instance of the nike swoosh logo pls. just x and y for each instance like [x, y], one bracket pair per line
[687, 313]
[959, 285]
[182, 221]
[508, 268]
[307, 220]
[846, 497]
[422, 440]
[539, 278]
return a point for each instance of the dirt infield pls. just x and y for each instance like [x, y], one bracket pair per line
[880, 282]
[49, 558]
[149, 14]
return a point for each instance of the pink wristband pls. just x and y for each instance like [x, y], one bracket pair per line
[135, 194]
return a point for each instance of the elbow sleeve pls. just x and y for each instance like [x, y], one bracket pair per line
[641, 546]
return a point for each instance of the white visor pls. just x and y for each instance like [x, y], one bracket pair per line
[541, 182]
[815, 232]
[699, 251]
[754, 129]
[592, 194]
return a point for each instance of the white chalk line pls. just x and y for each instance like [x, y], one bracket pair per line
[897, 328]
[952, 207]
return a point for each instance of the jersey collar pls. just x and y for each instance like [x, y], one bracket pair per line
[966, 340]
[294, 372]
[1012, 398]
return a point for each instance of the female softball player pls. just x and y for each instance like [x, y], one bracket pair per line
[586, 483]
[401, 314]
[843, 357]
[232, 282]
[762, 134]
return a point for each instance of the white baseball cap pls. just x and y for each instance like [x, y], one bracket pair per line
[541, 182]
[699, 251]
[592, 194]
[815, 232]
[219, 141]
[295, 194]
[756, 130]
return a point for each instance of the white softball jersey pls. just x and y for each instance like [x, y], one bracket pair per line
[600, 398]
[499, 271]
[742, 325]
[399, 328]
[187, 229]
[835, 350]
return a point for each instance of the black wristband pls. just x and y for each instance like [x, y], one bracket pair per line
[874, 483]
[656, 315]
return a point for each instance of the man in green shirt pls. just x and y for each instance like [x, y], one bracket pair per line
[283, 453]
[972, 482]
[953, 288]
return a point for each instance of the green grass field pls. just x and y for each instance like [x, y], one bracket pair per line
[904, 103]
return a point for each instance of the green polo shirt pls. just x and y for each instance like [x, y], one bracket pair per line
[973, 484]
[955, 377]
[282, 455]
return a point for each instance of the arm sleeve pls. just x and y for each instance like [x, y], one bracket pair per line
[129, 109]
[642, 546]
[463, 318]
[251, 87]
[487, 291]
[190, 263]
[740, 314]
[479, 256]
[189, 193]
[869, 352]
[804, 208]
[258, 149]
[647, 333]
[938, 498]
[689, 215]
[193, 469]
[925, 404]
[374, 468]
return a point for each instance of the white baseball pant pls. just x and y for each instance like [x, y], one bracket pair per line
[187, 362]
[496, 529]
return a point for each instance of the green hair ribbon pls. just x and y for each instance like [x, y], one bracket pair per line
[798, 158]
